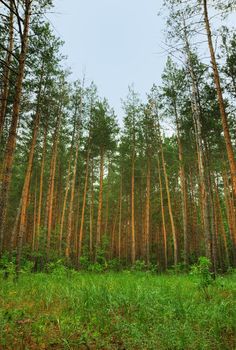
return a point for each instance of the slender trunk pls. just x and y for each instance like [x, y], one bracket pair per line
[147, 221]
[91, 213]
[7, 70]
[221, 224]
[112, 248]
[120, 216]
[66, 194]
[107, 199]
[162, 214]
[38, 224]
[230, 211]
[26, 189]
[184, 198]
[35, 220]
[11, 142]
[224, 118]
[71, 204]
[196, 109]
[133, 240]
[51, 183]
[173, 229]
[99, 219]
[83, 207]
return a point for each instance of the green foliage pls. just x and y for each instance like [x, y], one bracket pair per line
[128, 310]
[204, 274]
[140, 265]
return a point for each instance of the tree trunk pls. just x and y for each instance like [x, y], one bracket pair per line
[162, 214]
[91, 211]
[83, 207]
[120, 216]
[26, 186]
[196, 109]
[51, 183]
[224, 118]
[99, 219]
[133, 240]
[7, 70]
[71, 204]
[38, 225]
[174, 235]
[147, 221]
[11, 142]
[184, 198]
[66, 194]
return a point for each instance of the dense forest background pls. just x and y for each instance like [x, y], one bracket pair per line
[77, 186]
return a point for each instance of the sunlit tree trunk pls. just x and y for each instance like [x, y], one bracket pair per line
[173, 229]
[99, 218]
[38, 225]
[11, 142]
[162, 214]
[26, 186]
[51, 183]
[133, 240]
[224, 118]
[71, 204]
[83, 207]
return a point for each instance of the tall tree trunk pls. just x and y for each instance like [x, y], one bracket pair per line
[184, 198]
[35, 220]
[83, 207]
[107, 198]
[38, 224]
[120, 216]
[99, 219]
[91, 211]
[51, 183]
[224, 118]
[196, 109]
[26, 189]
[162, 214]
[26, 186]
[133, 240]
[66, 194]
[173, 229]
[147, 219]
[71, 204]
[7, 70]
[11, 142]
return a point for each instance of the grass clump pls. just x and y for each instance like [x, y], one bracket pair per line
[125, 310]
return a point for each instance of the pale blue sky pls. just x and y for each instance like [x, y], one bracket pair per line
[115, 42]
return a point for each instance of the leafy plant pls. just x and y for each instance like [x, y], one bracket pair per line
[203, 271]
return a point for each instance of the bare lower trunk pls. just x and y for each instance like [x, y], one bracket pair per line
[71, 204]
[99, 219]
[133, 240]
[83, 207]
[162, 214]
[147, 216]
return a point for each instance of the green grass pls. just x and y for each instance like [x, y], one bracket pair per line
[70, 310]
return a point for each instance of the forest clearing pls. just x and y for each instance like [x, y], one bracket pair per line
[118, 219]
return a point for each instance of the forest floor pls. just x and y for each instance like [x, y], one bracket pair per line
[126, 310]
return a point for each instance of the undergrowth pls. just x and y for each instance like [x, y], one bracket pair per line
[66, 309]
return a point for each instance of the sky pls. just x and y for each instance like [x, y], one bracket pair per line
[115, 43]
